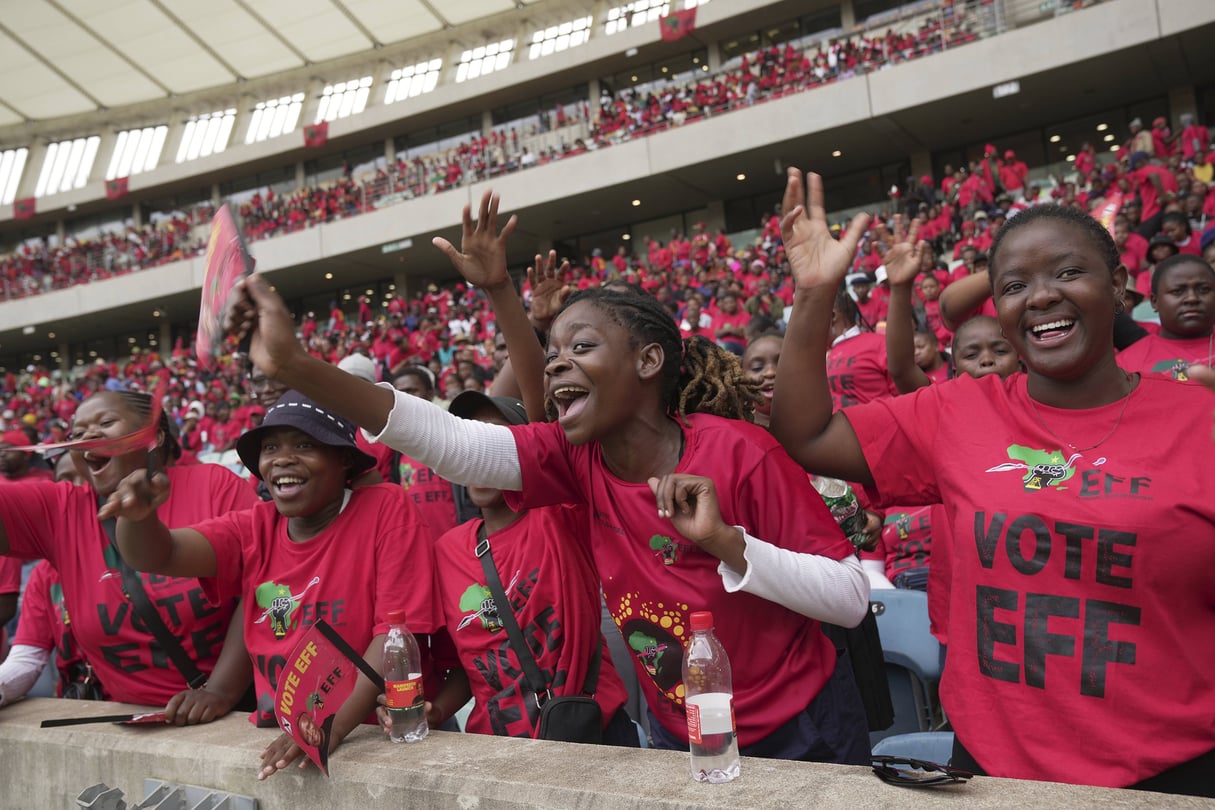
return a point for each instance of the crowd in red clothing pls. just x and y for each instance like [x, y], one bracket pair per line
[35, 267]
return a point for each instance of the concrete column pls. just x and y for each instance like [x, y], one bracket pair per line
[60, 230]
[847, 15]
[65, 357]
[137, 215]
[390, 151]
[1181, 100]
[216, 199]
[105, 153]
[165, 337]
[487, 122]
[400, 279]
[300, 179]
[33, 167]
[714, 56]
[921, 163]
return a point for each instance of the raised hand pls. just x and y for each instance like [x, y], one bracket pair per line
[816, 259]
[482, 255]
[549, 289]
[258, 313]
[903, 259]
[690, 503]
[137, 497]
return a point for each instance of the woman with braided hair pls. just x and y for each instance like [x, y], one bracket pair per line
[687, 510]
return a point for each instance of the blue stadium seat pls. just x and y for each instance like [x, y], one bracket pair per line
[913, 659]
[932, 746]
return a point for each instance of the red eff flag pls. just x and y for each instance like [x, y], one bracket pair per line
[228, 260]
[317, 134]
[678, 24]
[1109, 210]
[116, 188]
[24, 208]
[315, 683]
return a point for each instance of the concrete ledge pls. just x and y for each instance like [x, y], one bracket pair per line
[45, 768]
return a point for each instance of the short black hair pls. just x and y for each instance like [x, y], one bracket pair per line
[1098, 236]
[1178, 260]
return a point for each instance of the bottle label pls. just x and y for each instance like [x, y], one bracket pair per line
[404, 694]
[710, 713]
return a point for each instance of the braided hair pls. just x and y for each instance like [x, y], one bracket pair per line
[697, 375]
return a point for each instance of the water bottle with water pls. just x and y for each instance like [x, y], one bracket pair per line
[403, 682]
[709, 700]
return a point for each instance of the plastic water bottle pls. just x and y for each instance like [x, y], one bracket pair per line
[709, 699]
[403, 682]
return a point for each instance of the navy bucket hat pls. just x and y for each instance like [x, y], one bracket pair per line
[294, 410]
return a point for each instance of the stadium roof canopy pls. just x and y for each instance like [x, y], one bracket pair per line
[75, 57]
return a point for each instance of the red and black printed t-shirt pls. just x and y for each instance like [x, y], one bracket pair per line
[1169, 358]
[376, 556]
[857, 371]
[551, 582]
[45, 623]
[59, 522]
[654, 577]
[1081, 616]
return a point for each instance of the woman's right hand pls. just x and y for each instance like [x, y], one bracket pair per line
[816, 259]
[137, 497]
[258, 313]
[549, 289]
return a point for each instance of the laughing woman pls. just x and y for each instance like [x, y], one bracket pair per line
[1082, 552]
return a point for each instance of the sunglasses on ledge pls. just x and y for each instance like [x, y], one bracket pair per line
[909, 772]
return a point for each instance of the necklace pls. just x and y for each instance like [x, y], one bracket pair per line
[1126, 400]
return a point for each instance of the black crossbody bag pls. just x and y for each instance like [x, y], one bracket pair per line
[574, 718]
[141, 605]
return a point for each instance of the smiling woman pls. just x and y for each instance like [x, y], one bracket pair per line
[1067, 595]
[59, 522]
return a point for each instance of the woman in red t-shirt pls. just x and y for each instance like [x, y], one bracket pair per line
[1183, 292]
[1069, 596]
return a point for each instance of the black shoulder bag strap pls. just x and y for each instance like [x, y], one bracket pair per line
[531, 670]
[132, 586]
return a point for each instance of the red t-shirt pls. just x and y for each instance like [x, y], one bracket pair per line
[376, 556]
[906, 540]
[59, 522]
[1170, 358]
[1080, 617]
[654, 578]
[857, 371]
[431, 494]
[554, 591]
[45, 623]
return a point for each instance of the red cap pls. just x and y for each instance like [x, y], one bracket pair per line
[1160, 122]
[701, 620]
[989, 150]
[396, 617]
[17, 438]
[1009, 155]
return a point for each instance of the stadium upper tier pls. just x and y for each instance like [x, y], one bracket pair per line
[1092, 58]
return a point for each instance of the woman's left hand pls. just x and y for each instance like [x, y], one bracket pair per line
[137, 496]
[690, 503]
[280, 754]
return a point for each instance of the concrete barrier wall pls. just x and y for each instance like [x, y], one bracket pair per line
[47, 768]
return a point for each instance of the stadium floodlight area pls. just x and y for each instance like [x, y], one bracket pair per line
[557, 38]
[414, 80]
[137, 150]
[485, 59]
[343, 99]
[206, 134]
[12, 166]
[67, 165]
[274, 117]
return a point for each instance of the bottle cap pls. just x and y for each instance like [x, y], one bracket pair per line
[701, 620]
[396, 617]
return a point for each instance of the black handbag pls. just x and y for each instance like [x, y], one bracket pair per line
[572, 718]
[81, 683]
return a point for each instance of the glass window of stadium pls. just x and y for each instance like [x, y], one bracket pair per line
[678, 67]
[434, 139]
[819, 22]
[527, 112]
[358, 162]
[281, 179]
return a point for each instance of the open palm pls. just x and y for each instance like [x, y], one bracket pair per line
[903, 260]
[481, 259]
[815, 257]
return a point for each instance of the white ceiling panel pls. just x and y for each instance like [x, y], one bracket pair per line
[317, 28]
[394, 20]
[8, 117]
[462, 11]
[32, 89]
[236, 36]
[147, 37]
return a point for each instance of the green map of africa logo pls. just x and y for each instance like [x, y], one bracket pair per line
[478, 599]
[664, 547]
[1175, 368]
[279, 604]
[1042, 468]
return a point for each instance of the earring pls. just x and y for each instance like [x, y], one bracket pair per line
[1119, 308]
